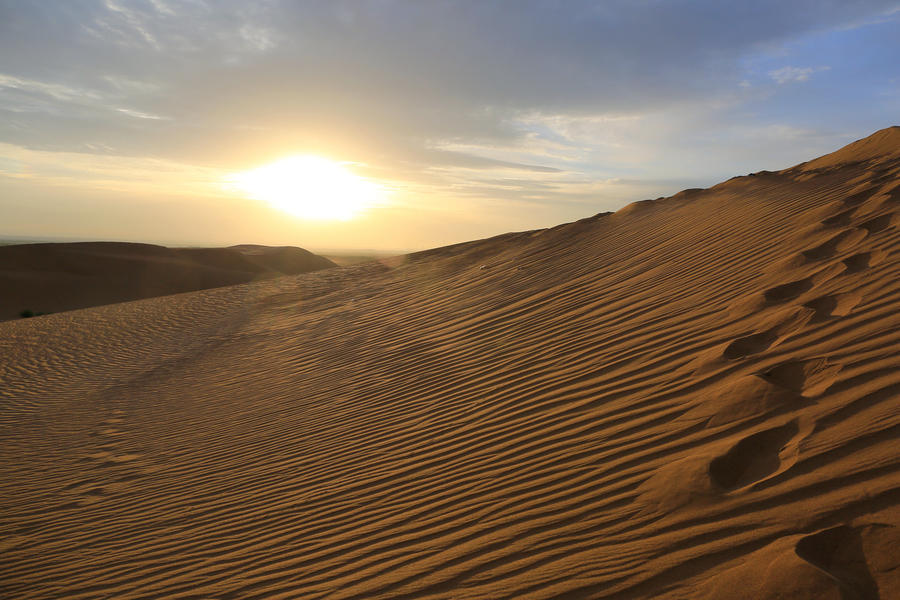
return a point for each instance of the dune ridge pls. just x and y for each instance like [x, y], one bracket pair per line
[695, 397]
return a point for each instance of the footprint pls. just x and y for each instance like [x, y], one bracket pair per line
[859, 197]
[679, 483]
[864, 260]
[774, 571]
[124, 466]
[8, 542]
[769, 337]
[833, 305]
[749, 345]
[748, 397]
[838, 552]
[806, 377]
[793, 289]
[111, 431]
[839, 242]
[787, 291]
[841, 219]
[119, 459]
[880, 223]
[80, 487]
[108, 459]
[753, 458]
[91, 492]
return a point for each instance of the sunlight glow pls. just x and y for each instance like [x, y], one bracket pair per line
[309, 187]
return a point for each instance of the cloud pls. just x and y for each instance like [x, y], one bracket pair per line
[398, 71]
[138, 114]
[431, 93]
[794, 74]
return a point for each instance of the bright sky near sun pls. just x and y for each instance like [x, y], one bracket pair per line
[406, 124]
[309, 187]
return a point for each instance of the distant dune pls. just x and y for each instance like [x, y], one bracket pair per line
[66, 276]
[692, 398]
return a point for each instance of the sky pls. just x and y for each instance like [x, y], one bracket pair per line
[140, 120]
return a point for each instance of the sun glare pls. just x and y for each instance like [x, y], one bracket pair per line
[309, 187]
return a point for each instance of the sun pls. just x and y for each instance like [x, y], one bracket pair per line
[309, 187]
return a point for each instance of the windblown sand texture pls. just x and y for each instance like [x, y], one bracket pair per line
[67, 276]
[696, 397]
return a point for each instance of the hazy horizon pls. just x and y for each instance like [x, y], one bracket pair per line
[9, 240]
[399, 126]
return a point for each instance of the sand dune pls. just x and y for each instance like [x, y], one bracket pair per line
[57, 277]
[695, 397]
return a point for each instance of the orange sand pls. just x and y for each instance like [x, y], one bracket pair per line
[696, 397]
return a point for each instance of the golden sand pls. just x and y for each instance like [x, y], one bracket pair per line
[696, 397]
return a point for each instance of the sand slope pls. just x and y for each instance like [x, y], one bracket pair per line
[67, 276]
[697, 397]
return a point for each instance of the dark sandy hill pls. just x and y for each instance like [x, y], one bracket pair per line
[692, 398]
[65, 276]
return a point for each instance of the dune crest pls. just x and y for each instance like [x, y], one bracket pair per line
[692, 398]
[880, 147]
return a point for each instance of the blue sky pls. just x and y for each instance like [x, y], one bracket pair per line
[119, 119]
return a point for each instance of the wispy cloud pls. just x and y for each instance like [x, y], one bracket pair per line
[793, 74]
[56, 91]
[139, 115]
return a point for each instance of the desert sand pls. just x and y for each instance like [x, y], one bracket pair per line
[693, 397]
[54, 277]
